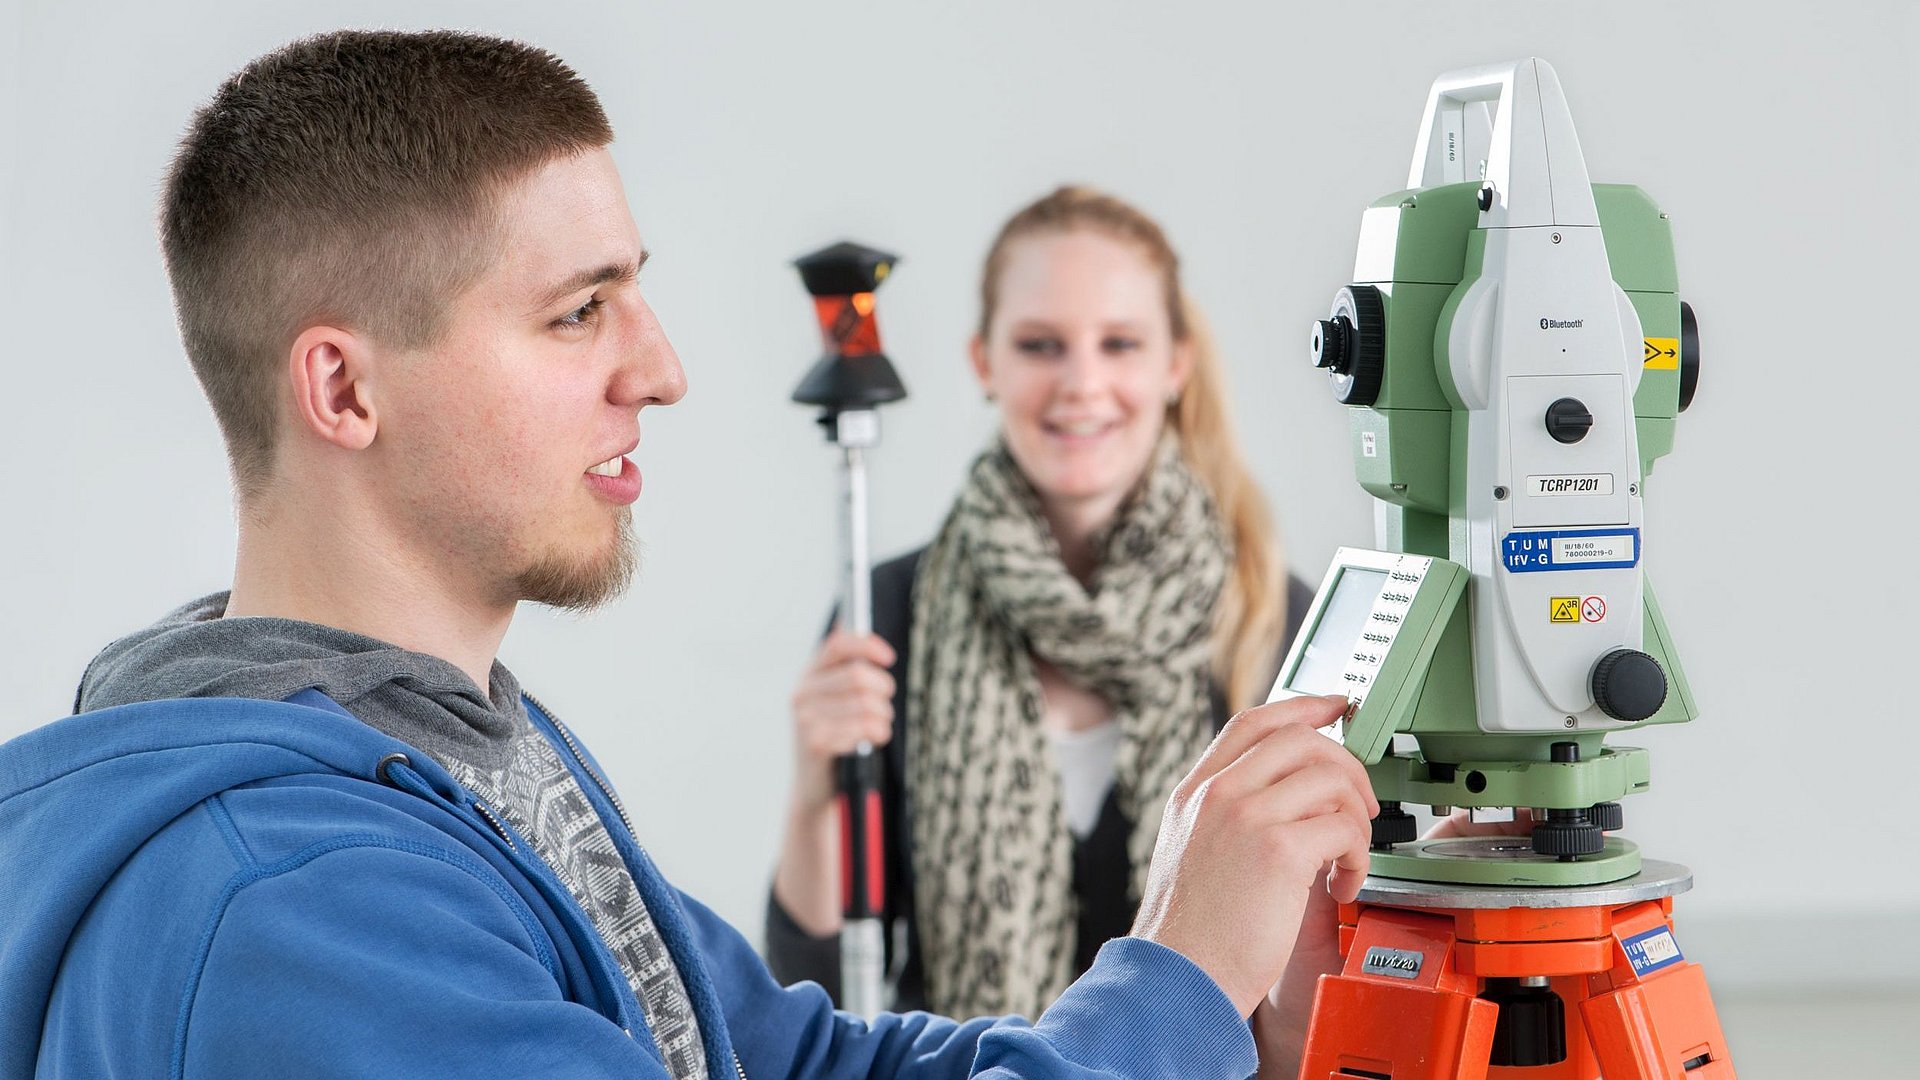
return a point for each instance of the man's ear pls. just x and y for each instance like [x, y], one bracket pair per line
[332, 372]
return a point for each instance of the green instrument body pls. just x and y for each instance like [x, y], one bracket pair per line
[1421, 250]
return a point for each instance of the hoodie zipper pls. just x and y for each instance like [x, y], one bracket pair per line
[481, 808]
[605, 788]
[618, 808]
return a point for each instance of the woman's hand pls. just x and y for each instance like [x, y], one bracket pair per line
[843, 699]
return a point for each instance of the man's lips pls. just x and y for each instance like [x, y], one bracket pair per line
[622, 488]
[608, 465]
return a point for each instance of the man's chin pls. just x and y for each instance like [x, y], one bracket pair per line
[580, 584]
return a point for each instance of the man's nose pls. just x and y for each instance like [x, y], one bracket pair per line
[650, 371]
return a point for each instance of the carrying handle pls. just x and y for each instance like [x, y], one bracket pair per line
[1535, 170]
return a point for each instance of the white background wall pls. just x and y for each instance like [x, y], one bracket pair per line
[1784, 146]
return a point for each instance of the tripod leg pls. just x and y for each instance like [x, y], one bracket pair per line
[1657, 1020]
[1399, 1010]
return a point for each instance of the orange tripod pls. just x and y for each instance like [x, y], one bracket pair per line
[1448, 982]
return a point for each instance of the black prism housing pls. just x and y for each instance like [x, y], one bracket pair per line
[838, 382]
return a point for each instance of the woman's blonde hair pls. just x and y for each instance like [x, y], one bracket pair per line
[1253, 604]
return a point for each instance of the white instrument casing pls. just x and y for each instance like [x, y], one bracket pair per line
[1554, 529]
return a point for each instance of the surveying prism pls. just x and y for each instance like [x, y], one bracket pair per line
[848, 382]
[1513, 353]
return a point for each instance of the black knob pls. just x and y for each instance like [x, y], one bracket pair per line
[1629, 685]
[1609, 817]
[1568, 420]
[1485, 198]
[1568, 833]
[1689, 355]
[1394, 826]
[1351, 343]
[1330, 345]
[1531, 1029]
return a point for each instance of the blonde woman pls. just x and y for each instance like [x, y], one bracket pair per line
[1106, 590]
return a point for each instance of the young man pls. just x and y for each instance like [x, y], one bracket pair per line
[311, 827]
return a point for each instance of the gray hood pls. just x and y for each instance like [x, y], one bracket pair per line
[421, 700]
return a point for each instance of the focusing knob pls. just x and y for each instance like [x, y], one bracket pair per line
[1629, 685]
[1351, 343]
[1568, 420]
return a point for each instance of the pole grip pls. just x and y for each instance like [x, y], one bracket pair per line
[863, 886]
[863, 869]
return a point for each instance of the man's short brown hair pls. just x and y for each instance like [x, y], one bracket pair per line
[350, 178]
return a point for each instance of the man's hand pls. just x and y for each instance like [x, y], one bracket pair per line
[1280, 1023]
[1461, 823]
[1245, 839]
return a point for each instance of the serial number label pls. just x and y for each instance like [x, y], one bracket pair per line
[1577, 484]
[1574, 551]
[1395, 963]
[1651, 951]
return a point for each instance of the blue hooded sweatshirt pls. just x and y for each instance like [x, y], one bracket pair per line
[215, 887]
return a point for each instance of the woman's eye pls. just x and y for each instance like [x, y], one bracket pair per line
[1039, 346]
[584, 315]
[1120, 344]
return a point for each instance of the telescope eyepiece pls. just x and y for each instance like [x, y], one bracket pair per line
[1350, 344]
[1328, 345]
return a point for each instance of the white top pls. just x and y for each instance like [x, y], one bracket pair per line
[1085, 760]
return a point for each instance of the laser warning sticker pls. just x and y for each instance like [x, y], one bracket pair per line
[1395, 963]
[1564, 609]
[1651, 951]
[1570, 549]
[1593, 609]
[1662, 353]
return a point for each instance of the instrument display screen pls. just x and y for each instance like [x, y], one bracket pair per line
[1323, 663]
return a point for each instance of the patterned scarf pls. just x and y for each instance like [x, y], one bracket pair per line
[992, 855]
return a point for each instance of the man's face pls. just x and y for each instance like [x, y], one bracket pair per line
[504, 445]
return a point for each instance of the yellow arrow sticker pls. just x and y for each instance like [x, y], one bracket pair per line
[1565, 609]
[1663, 353]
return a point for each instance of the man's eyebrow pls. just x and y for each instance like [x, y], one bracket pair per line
[618, 273]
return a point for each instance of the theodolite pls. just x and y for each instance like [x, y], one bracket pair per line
[1513, 353]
